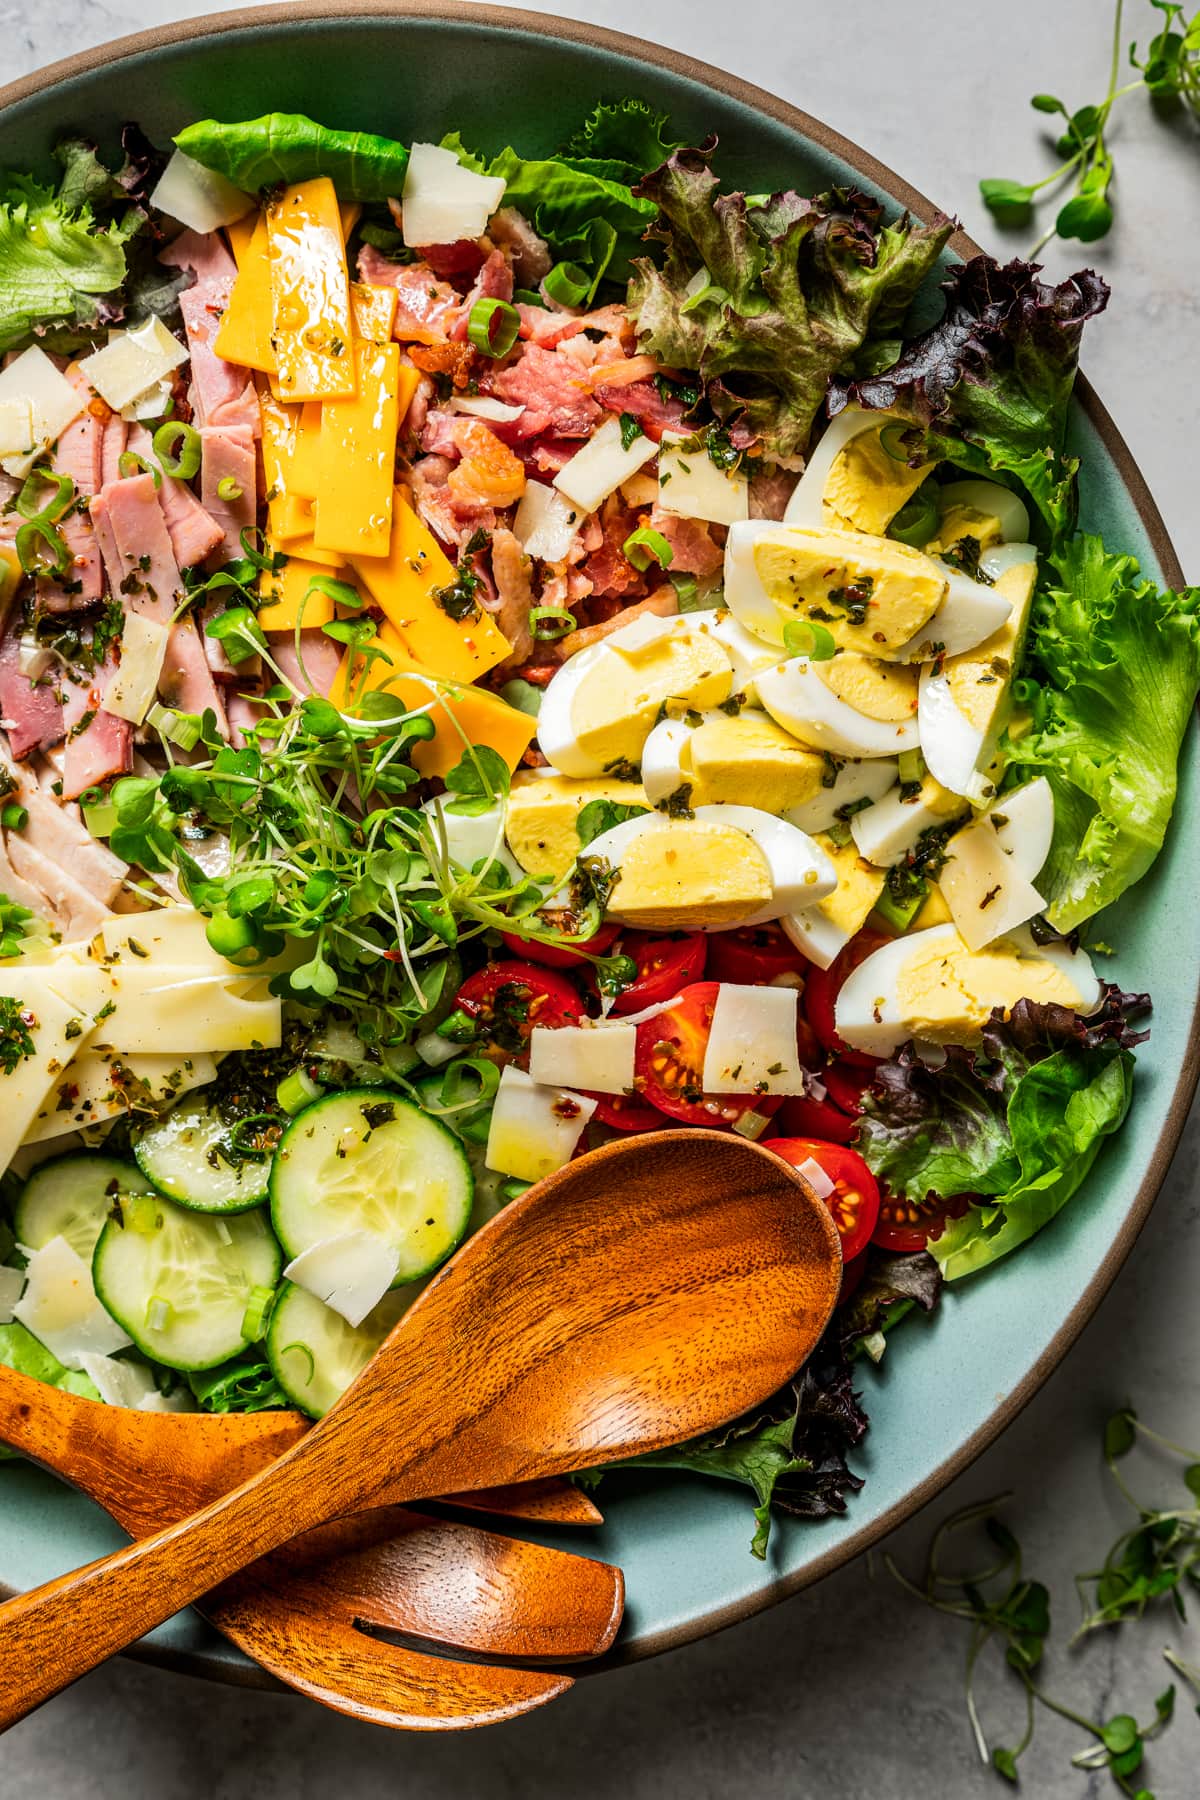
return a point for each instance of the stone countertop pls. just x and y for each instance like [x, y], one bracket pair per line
[850, 1691]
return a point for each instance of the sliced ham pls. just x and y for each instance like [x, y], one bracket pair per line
[693, 551]
[243, 713]
[322, 659]
[150, 580]
[74, 909]
[530, 254]
[228, 456]
[770, 490]
[14, 888]
[427, 309]
[30, 712]
[98, 747]
[219, 388]
[102, 526]
[112, 448]
[193, 532]
[447, 517]
[59, 833]
[203, 252]
[437, 436]
[186, 682]
[546, 385]
[642, 399]
[511, 570]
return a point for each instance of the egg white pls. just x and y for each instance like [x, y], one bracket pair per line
[855, 780]
[796, 698]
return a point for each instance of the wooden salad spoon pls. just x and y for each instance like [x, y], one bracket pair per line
[655, 1288]
[306, 1615]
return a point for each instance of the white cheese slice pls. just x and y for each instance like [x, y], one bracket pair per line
[59, 1306]
[443, 202]
[483, 406]
[545, 522]
[987, 895]
[159, 1008]
[596, 1057]
[1023, 820]
[534, 1129]
[16, 427]
[130, 694]
[594, 472]
[131, 1384]
[351, 1272]
[12, 1286]
[152, 404]
[92, 1088]
[32, 380]
[691, 486]
[752, 1047]
[59, 1027]
[133, 361]
[199, 198]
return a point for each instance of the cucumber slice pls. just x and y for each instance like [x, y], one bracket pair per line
[71, 1197]
[369, 1160]
[181, 1289]
[313, 1353]
[185, 1156]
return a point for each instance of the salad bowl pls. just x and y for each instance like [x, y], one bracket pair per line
[965, 1373]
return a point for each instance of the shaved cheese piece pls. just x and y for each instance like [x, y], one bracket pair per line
[752, 1046]
[32, 380]
[444, 202]
[133, 361]
[152, 404]
[691, 486]
[988, 897]
[199, 198]
[128, 1384]
[130, 693]
[816, 1178]
[177, 934]
[59, 1027]
[483, 406]
[546, 522]
[16, 426]
[599, 1058]
[99, 1085]
[155, 1009]
[351, 1272]
[59, 1306]
[12, 1286]
[534, 1129]
[602, 465]
[1023, 820]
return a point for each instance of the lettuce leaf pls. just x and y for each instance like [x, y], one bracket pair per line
[625, 138]
[245, 1384]
[796, 288]
[258, 153]
[894, 1283]
[1018, 1123]
[1119, 660]
[20, 1350]
[55, 262]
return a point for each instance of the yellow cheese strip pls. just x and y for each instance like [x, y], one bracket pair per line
[349, 213]
[356, 461]
[283, 595]
[244, 334]
[289, 519]
[312, 327]
[374, 311]
[461, 715]
[307, 550]
[241, 232]
[304, 471]
[403, 584]
[279, 425]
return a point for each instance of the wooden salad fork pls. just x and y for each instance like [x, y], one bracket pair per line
[306, 1617]
[651, 1290]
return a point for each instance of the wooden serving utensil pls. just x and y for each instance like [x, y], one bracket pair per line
[305, 1614]
[654, 1289]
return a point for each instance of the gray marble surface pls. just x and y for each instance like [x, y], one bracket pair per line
[851, 1690]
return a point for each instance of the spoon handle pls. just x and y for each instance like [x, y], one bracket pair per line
[56, 1633]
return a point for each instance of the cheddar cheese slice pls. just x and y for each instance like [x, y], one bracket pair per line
[244, 334]
[312, 326]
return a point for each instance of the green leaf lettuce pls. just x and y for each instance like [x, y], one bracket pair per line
[55, 262]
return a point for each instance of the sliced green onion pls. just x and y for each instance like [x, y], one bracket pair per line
[687, 593]
[751, 1125]
[159, 1313]
[917, 520]
[459, 1028]
[567, 284]
[512, 1190]
[542, 622]
[838, 833]
[471, 1081]
[254, 1319]
[228, 488]
[803, 637]
[183, 729]
[304, 1351]
[892, 436]
[100, 819]
[702, 290]
[140, 1213]
[298, 1090]
[36, 531]
[14, 817]
[239, 632]
[1025, 691]
[181, 465]
[911, 765]
[527, 297]
[129, 463]
[64, 493]
[899, 914]
[644, 546]
[493, 326]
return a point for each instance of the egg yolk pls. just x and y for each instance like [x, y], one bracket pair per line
[878, 690]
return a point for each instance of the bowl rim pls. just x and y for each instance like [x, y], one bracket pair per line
[598, 37]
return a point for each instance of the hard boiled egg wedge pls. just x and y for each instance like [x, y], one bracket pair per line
[965, 699]
[714, 758]
[727, 865]
[843, 783]
[747, 654]
[850, 705]
[851, 479]
[890, 829]
[971, 612]
[823, 930]
[602, 704]
[932, 987]
[983, 510]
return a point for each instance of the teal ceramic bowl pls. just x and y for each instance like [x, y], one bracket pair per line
[950, 1386]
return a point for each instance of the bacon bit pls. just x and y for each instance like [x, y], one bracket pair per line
[536, 674]
[444, 359]
[489, 474]
[566, 1108]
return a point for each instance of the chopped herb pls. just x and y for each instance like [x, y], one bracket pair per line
[17, 1025]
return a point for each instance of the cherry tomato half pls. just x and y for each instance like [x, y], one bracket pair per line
[622, 1112]
[669, 1064]
[751, 954]
[847, 1085]
[507, 999]
[802, 1116]
[854, 1201]
[823, 988]
[551, 956]
[665, 966]
[905, 1226]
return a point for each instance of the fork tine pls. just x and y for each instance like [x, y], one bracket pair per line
[321, 1655]
[454, 1585]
